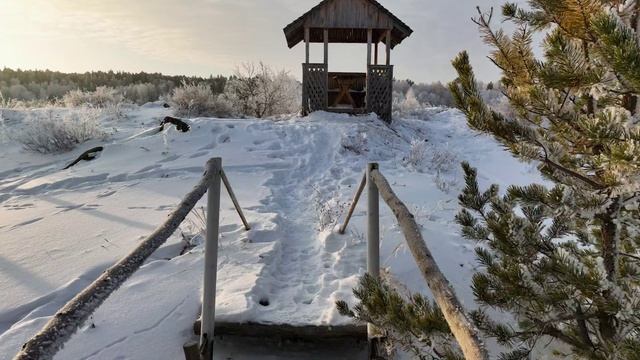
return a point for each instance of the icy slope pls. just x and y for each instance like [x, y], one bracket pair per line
[59, 229]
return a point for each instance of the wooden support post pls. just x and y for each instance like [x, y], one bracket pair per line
[232, 195]
[211, 261]
[388, 47]
[354, 203]
[306, 44]
[326, 46]
[369, 40]
[373, 248]
[375, 56]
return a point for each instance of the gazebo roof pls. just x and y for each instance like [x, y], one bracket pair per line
[347, 22]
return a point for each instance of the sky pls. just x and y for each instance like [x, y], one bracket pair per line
[203, 37]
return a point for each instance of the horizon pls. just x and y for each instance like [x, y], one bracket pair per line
[172, 39]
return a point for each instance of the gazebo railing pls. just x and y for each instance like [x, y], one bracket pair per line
[380, 90]
[314, 87]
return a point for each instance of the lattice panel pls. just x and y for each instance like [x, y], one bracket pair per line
[314, 87]
[380, 90]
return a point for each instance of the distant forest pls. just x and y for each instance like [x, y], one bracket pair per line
[46, 85]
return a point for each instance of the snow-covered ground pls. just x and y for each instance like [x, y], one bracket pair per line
[59, 229]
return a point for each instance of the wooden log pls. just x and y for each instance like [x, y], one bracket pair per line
[354, 203]
[236, 204]
[461, 326]
[46, 343]
[86, 156]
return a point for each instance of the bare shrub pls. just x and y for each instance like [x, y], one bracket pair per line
[49, 131]
[194, 229]
[443, 160]
[258, 90]
[355, 143]
[327, 209]
[100, 98]
[417, 155]
[193, 100]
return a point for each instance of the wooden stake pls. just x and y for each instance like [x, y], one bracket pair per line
[354, 203]
[232, 195]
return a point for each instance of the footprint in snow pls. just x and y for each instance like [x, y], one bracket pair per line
[224, 138]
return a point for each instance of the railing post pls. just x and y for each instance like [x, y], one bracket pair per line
[210, 261]
[373, 245]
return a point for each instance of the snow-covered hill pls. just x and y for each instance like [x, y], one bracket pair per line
[60, 228]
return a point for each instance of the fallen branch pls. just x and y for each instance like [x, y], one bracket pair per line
[461, 326]
[87, 156]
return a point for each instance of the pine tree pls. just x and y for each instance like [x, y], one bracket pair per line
[562, 259]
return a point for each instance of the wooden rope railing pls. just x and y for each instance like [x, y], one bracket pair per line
[463, 329]
[46, 343]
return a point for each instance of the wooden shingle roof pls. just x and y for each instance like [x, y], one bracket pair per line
[347, 21]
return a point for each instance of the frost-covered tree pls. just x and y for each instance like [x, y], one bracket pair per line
[257, 90]
[562, 258]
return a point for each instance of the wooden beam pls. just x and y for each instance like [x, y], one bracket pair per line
[369, 40]
[388, 47]
[306, 44]
[326, 46]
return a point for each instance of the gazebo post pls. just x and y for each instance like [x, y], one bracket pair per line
[306, 44]
[326, 46]
[388, 47]
[375, 56]
[369, 40]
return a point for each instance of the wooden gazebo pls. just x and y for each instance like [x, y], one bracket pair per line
[355, 22]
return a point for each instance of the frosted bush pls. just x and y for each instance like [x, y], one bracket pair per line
[328, 210]
[49, 131]
[417, 154]
[101, 98]
[355, 143]
[194, 100]
[257, 90]
[443, 160]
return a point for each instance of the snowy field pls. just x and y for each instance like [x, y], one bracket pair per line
[59, 229]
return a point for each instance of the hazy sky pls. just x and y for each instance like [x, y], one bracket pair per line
[202, 37]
